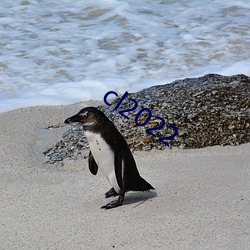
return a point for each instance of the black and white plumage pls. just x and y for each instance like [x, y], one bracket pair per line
[110, 152]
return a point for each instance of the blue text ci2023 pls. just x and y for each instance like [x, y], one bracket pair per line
[138, 115]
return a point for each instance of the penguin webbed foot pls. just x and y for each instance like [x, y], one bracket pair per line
[111, 193]
[115, 203]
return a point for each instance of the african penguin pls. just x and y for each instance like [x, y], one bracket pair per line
[110, 152]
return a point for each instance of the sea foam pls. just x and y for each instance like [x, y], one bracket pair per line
[62, 52]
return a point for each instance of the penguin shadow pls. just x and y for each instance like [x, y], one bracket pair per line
[137, 198]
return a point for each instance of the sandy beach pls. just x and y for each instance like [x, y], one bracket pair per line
[201, 198]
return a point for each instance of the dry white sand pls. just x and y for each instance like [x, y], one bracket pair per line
[201, 201]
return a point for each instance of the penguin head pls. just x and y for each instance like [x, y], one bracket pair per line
[88, 117]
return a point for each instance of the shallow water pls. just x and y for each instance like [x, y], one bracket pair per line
[62, 52]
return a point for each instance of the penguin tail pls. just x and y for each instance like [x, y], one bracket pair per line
[141, 185]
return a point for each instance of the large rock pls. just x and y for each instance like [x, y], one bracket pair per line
[207, 111]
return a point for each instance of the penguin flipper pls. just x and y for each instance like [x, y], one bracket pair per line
[93, 167]
[118, 166]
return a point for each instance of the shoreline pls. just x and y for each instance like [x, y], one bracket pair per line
[201, 198]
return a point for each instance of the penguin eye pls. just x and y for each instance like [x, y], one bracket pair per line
[84, 115]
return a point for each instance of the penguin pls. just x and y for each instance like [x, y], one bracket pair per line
[110, 152]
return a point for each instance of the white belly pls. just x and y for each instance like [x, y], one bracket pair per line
[104, 157]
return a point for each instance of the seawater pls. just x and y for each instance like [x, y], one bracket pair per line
[61, 52]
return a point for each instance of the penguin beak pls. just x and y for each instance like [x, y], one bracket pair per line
[74, 118]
